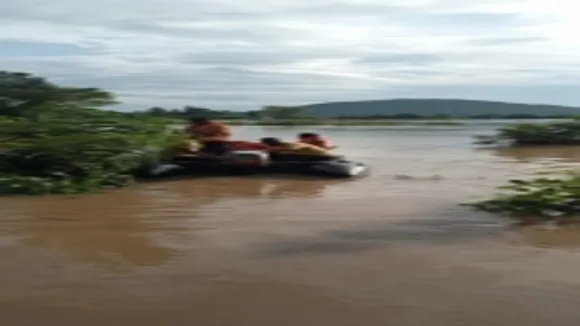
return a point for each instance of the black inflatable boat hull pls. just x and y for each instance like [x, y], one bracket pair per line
[249, 162]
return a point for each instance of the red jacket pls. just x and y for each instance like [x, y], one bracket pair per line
[242, 145]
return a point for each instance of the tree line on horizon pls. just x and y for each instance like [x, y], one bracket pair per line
[23, 94]
[290, 113]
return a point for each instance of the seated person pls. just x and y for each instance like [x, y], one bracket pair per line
[295, 148]
[241, 145]
[315, 139]
[212, 135]
[204, 129]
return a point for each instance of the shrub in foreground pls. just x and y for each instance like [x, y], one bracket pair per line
[72, 156]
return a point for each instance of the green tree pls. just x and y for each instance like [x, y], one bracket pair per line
[157, 111]
[195, 112]
[28, 96]
[253, 115]
[78, 147]
[282, 112]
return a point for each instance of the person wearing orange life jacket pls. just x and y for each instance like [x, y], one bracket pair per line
[213, 136]
[298, 148]
[316, 140]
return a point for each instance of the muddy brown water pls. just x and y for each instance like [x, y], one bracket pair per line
[391, 249]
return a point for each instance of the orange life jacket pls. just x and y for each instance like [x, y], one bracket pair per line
[318, 141]
[212, 131]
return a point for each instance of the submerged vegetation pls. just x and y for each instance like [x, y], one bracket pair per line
[55, 140]
[525, 134]
[543, 198]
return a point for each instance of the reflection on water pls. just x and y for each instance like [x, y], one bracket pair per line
[548, 237]
[109, 229]
[390, 249]
[127, 227]
[357, 238]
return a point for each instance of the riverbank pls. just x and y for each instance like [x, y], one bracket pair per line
[386, 121]
[343, 122]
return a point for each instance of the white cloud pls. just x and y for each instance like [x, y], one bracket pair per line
[235, 54]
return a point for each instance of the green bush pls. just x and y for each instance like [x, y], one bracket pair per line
[77, 156]
[544, 197]
[554, 133]
[54, 140]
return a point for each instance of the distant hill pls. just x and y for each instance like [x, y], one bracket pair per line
[435, 107]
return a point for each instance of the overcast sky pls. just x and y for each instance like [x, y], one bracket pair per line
[235, 54]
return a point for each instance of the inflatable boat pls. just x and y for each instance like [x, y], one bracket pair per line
[251, 162]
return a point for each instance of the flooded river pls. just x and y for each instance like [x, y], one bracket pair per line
[391, 249]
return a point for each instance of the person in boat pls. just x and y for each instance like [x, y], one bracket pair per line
[212, 136]
[299, 148]
[243, 145]
[316, 140]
